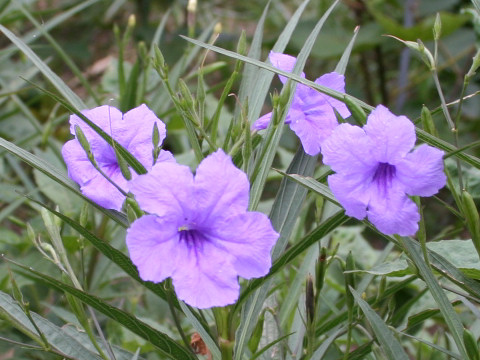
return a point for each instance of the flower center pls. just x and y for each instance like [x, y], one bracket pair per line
[191, 236]
[383, 175]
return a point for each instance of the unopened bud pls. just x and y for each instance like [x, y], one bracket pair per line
[192, 6]
[427, 121]
[131, 21]
[437, 27]
[218, 28]
[310, 300]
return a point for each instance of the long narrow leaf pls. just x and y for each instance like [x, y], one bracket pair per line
[161, 341]
[56, 337]
[451, 317]
[385, 337]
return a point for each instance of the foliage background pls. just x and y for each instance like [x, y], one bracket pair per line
[84, 43]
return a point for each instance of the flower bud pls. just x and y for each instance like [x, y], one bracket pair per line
[437, 27]
[357, 112]
[427, 121]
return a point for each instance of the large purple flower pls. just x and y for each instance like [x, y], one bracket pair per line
[311, 115]
[199, 232]
[133, 130]
[375, 171]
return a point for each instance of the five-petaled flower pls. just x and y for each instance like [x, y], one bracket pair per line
[375, 171]
[133, 130]
[199, 232]
[311, 115]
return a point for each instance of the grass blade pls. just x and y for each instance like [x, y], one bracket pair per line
[111, 253]
[56, 336]
[386, 339]
[161, 341]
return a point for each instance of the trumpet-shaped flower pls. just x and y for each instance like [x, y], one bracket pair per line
[133, 130]
[376, 170]
[199, 232]
[311, 115]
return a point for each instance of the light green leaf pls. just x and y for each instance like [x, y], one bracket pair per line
[451, 317]
[162, 342]
[460, 253]
[394, 268]
[390, 345]
[111, 253]
[56, 337]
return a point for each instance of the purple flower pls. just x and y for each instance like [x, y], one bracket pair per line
[133, 130]
[199, 232]
[311, 115]
[375, 171]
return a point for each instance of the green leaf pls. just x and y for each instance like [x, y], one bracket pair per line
[322, 349]
[58, 176]
[395, 269]
[57, 338]
[460, 253]
[161, 341]
[111, 253]
[389, 344]
[451, 317]
[204, 333]
[342, 64]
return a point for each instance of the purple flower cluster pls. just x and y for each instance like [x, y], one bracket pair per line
[375, 168]
[201, 236]
[197, 230]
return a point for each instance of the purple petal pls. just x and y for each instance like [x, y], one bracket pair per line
[262, 122]
[165, 156]
[221, 189]
[206, 278]
[313, 129]
[167, 190]
[421, 171]
[92, 184]
[103, 116]
[154, 247]
[352, 192]
[79, 168]
[249, 238]
[135, 133]
[393, 213]
[283, 62]
[102, 192]
[349, 151]
[334, 81]
[393, 136]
